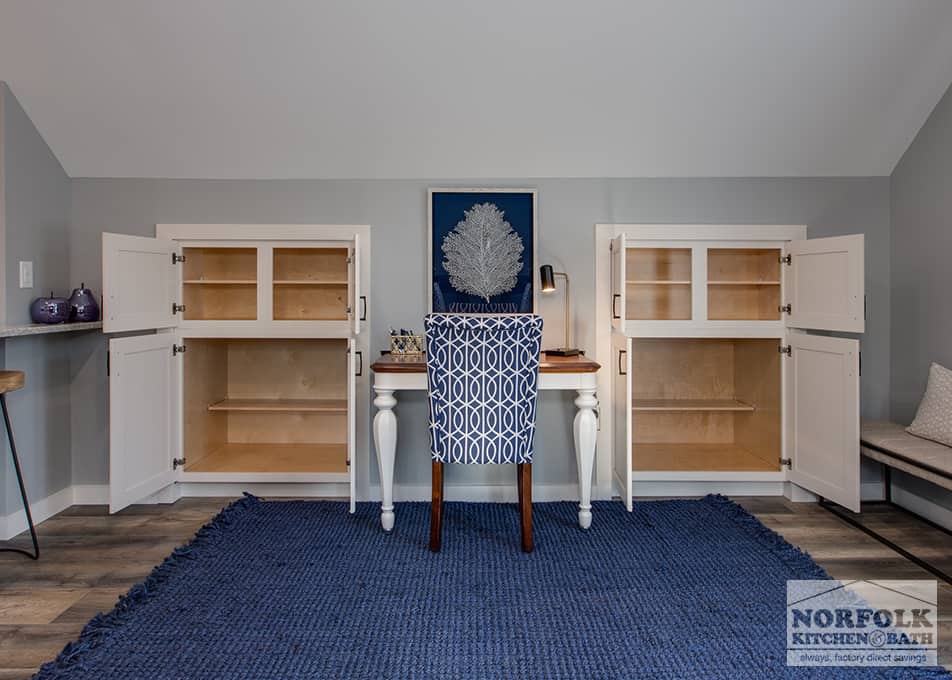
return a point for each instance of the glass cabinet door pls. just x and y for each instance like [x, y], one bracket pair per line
[743, 284]
[220, 284]
[310, 284]
[657, 284]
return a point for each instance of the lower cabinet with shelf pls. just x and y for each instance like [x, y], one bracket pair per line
[265, 405]
[231, 411]
[705, 404]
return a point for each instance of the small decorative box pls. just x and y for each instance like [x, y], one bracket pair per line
[406, 344]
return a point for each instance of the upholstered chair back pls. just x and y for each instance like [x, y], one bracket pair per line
[483, 374]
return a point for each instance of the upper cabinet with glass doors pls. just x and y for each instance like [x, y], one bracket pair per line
[245, 279]
[689, 284]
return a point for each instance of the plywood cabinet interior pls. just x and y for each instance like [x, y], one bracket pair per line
[220, 284]
[705, 404]
[743, 284]
[658, 283]
[274, 405]
[310, 284]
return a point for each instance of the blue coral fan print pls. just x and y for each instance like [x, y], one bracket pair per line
[482, 252]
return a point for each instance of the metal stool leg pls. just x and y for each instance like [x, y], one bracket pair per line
[26, 504]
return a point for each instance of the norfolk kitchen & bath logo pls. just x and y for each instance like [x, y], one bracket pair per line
[862, 623]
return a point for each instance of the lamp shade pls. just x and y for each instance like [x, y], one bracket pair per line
[547, 278]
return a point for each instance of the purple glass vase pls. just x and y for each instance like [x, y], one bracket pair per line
[83, 305]
[49, 310]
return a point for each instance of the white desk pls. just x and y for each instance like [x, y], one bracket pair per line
[395, 373]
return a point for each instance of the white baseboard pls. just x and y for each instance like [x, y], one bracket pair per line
[90, 494]
[15, 523]
[82, 494]
[922, 506]
[871, 491]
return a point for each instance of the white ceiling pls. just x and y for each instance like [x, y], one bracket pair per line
[476, 88]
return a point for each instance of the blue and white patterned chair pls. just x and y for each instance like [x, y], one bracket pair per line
[483, 374]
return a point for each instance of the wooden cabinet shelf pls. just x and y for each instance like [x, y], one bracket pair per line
[661, 282]
[690, 405]
[281, 405]
[690, 457]
[267, 458]
[309, 282]
[743, 283]
[220, 282]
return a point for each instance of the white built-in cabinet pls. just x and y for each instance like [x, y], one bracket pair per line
[254, 374]
[717, 375]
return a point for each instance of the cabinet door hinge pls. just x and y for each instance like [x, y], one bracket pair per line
[788, 308]
[176, 308]
[178, 349]
[786, 349]
[177, 463]
[176, 258]
[786, 462]
[350, 259]
[786, 259]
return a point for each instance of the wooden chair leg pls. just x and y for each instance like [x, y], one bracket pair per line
[524, 474]
[436, 507]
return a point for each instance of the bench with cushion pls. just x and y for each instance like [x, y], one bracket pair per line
[893, 447]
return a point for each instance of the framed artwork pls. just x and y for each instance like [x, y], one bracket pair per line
[482, 251]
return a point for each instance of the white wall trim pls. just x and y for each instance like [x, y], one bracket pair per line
[922, 506]
[871, 491]
[82, 494]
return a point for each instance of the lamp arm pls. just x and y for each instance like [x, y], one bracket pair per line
[567, 315]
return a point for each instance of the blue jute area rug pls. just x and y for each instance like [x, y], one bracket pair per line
[676, 589]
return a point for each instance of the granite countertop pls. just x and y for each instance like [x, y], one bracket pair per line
[16, 331]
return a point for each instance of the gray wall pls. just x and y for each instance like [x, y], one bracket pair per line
[921, 281]
[397, 210]
[37, 193]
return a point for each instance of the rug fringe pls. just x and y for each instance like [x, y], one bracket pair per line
[798, 560]
[101, 626]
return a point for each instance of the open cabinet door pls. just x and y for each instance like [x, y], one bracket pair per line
[143, 427]
[824, 284]
[621, 414]
[138, 281]
[618, 283]
[822, 391]
[358, 305]
[354, 364]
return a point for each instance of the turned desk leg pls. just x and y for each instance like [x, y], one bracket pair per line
[586, 433]
[385, 439]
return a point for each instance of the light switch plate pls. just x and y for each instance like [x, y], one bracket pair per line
[26, 274]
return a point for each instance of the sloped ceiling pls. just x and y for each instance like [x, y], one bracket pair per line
[476, 89]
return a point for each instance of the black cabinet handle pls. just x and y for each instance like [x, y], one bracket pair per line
[363, 302]
[615, 298]
[360, 364]
[621, 352]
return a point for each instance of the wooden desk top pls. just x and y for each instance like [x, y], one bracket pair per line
[416, 363]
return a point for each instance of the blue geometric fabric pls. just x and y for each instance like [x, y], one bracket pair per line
[483, 376]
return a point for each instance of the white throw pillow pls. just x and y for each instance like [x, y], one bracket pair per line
[934, 417]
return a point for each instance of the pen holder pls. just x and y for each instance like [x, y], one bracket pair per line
[406, 344]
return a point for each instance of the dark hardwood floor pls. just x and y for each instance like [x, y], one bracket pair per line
[90, 558]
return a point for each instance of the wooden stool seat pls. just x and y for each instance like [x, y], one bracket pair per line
[11, 380]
